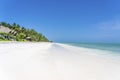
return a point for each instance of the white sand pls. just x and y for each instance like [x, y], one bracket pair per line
[52, 61]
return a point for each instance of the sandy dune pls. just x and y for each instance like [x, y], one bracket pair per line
[53, 61]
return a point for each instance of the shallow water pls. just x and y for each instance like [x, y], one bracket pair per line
[113, 47]
[105, 50]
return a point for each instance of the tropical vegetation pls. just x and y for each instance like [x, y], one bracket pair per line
[19, 33]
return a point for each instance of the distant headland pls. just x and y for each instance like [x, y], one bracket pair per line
[15, 32]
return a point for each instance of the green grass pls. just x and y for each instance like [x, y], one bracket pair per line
[4, 40]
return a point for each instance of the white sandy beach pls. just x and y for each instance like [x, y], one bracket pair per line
[53, 61]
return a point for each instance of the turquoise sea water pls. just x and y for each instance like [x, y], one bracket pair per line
[113, 47]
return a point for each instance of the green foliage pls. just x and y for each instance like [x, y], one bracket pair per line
[20, 37]
[3, 24]
[21, 33]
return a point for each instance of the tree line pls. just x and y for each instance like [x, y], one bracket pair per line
[20, 33]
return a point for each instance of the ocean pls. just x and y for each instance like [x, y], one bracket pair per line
[113, 47]
[110, 48]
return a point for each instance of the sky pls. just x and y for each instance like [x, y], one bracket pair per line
[66, 20]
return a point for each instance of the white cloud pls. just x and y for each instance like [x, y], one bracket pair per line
[109, 29]
[113, 25]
